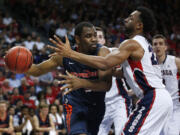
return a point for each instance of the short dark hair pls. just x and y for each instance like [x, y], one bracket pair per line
[51, 105]
[43, 106]
[100, 29]
[160, 36]
[147, 18]
[80, 26]
[24, 107]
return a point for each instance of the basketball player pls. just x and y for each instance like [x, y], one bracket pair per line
[6, 121]
[170, 68]
[137, 58]
[84, 109]
[43, 122]
[117, 100]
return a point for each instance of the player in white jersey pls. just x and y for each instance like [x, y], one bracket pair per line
[118, 107]
[118, 103]
[155, 105]
[170, 68]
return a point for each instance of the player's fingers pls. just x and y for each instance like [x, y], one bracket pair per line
[54, 48]
[65, 87]
[68, 73]
[53, 41]
[53, 54]
[65, 82]
[58, 39]
[67, 92]
[64, 76]
[67, 40]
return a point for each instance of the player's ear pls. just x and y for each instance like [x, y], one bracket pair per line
[77, 39]
[140, 25]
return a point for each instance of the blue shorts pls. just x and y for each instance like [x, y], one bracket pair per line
[82, 117]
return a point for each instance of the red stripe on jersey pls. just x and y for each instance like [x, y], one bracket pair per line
[137, 65]
[178, 85]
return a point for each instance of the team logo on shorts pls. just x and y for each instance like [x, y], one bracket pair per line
[136, 120]
[66, 101]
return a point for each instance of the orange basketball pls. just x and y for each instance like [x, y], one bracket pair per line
[18, 59]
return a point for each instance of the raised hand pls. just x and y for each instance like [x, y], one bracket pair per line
[63, 49]
[72, 82]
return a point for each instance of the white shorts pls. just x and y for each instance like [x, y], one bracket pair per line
[174, 123]
[116, 112]
[151, 114]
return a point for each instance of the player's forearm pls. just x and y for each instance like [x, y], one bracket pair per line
[96, 85]
[37, 70]
[4, 130]
[92, 61]
[43, 129]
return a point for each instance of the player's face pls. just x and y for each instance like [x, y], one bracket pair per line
[3, 107]
[25, 111]
[53, 109]
[45, 110]
[131, 22]
[100, 38]
[88, 39]
[159, 46]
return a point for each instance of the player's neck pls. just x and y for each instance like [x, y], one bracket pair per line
[43, 115]
[161, 59]
[82, 50]
[134, 34]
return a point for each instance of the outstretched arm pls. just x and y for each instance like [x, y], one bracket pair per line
[129, 48]
[46, 66]
[103, 83]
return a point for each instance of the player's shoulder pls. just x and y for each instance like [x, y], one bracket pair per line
[130, 44]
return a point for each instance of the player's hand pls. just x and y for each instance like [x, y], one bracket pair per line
[72, 82]
[63, 49]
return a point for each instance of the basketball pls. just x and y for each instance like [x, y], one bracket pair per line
[18, 59]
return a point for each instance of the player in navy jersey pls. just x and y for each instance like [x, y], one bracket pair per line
[43, 122]
[117, 101]
[84, 109]
[140, 70]
[6, 121]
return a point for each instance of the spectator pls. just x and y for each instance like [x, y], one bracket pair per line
[13, 82]
[16, 96]
[6, 87]
[42, 121]
[58, 121]
[49, 95]
[29, 43]
[39, 43]
[27, 101]
[7, 20]
[6, 121]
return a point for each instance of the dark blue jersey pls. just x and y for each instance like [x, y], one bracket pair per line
[4, 123]
[45, 123]
[85, 72]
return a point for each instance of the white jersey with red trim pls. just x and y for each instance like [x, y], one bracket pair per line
[169, 73]
[143, 75]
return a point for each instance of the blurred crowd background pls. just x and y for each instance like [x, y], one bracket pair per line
[30, 23]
